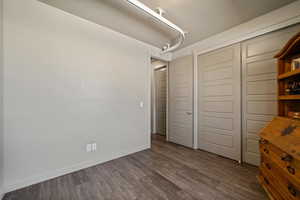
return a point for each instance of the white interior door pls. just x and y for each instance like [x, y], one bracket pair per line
[219, 102]
[161, 100]
[180, 112]
[260, 87]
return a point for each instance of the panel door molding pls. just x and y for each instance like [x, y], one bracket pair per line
[219, 102]
[259, 71]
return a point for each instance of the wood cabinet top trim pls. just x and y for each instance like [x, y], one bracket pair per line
[289, 47]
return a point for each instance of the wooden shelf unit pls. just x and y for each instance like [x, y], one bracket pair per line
[279, 140]
[289, 74]
[288, 102]
[289, 97]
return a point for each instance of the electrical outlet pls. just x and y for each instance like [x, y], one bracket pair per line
[94, 147]
[89, 148]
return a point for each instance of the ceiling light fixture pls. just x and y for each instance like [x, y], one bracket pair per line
[158, 16]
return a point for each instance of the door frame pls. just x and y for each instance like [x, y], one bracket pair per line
[152, 92]
[195, 103]
[195, 96]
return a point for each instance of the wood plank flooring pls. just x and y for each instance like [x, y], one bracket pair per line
[167, 171]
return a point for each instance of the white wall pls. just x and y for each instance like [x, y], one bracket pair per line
[1, 101]
[68, 82]
[277, 19]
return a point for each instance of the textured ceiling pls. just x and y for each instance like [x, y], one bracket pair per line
[201, 18]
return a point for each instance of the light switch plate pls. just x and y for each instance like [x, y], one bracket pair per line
[89, 148]
[94, 147]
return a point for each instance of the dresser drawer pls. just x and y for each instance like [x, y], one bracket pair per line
[270, 190]
[275, 176]
[286, 163]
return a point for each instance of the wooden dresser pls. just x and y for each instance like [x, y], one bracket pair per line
[280, 139]
[280, 158]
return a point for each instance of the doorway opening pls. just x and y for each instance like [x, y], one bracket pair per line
[159, 99]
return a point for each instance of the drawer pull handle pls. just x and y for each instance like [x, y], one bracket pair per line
[287, 158]
[291, 170]
[266, 151]
[262, 141]
[266, 181]
[268, 166]
[292, 190]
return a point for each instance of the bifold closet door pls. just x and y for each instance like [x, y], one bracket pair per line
[219, 102]
[260, 87]
[180, 112]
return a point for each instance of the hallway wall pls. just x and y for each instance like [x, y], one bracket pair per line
[160, 76]
[154, 65]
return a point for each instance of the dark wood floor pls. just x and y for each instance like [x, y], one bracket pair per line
[167, 171]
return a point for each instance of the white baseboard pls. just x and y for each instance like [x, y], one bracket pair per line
[67, 170]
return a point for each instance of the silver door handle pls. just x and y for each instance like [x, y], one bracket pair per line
[189, 113]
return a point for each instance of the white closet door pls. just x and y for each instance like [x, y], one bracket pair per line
[180, 112]
[161, 100]
[219, 102]
[260, 87]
